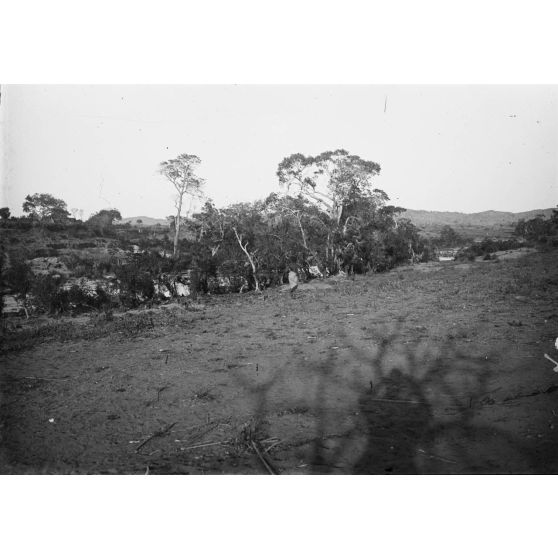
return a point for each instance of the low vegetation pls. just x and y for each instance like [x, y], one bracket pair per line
[435, 369]
[327, 218]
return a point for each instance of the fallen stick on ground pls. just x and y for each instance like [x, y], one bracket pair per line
[555, 369]
[549, 389]
[403, 401]
[61, 379]
[210, 426]
[272, 446]
[267, 465]
[202, 445]
[432, 456]
[160, 390]
[157, 434]
[200, 435]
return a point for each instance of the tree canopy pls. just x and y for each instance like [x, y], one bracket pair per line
[332, 179]
[327, 215]
[45, 207]
[104, 219]
[181, 172]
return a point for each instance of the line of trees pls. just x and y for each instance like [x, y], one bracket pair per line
[540, 230]
[45, 209]
[327, 214]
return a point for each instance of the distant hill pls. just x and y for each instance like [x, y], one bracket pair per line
[145, 221]
[423, 218]
[431, 220]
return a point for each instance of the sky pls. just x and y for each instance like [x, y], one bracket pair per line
[445, 148]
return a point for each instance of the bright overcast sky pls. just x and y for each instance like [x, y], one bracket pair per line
[454, 148]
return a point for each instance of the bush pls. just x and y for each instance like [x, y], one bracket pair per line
[19, 277]
[80, 300]
[21, 223]
[136, 284]
[56, 227]
[487, 247]
[89, 265]
[47, 295]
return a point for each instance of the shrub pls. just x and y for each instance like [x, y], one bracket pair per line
[135, 284]
[487, 247]
[47, 295]
[19, 277]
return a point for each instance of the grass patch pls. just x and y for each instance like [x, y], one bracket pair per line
[100, 325]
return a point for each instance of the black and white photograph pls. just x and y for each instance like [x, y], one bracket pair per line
[280, 280]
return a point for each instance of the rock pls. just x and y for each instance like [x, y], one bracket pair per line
[181, 289]
[339, 276]
[89, 286]
[11, 306]
[314, 272]
[48, 266]
[293, 280]
[161, 289]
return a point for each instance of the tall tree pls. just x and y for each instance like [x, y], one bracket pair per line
[208, 227]
[45, 207]
[181, 174]
[244, 220]
[337, 183]
[331, 180]
[104, 219]
[288, 207]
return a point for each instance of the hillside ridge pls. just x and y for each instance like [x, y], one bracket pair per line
[145, 221]
[481, 218]
[489, 217]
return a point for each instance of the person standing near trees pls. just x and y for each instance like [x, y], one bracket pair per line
[293, 280]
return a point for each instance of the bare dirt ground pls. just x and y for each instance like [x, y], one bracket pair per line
[437, 368]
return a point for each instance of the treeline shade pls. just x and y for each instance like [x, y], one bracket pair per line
[327, 215]
[104, 219]
[45, 207]
[540, 230]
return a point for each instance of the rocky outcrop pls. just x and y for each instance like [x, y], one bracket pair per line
[169, 285]
[49, 266]
[314, 272]
[90, 287]
[11, 305]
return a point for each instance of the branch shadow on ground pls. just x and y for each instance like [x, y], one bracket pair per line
[398, 405]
